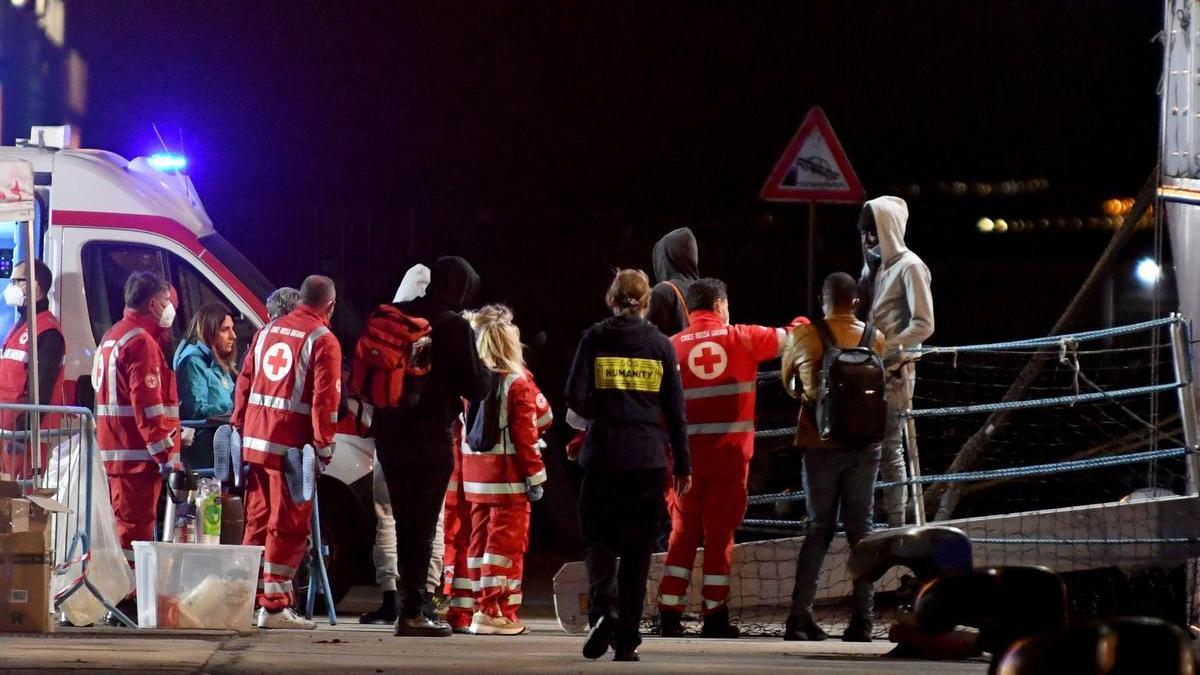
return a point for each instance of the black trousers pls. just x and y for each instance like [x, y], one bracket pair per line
[620, 512]
[417, 470]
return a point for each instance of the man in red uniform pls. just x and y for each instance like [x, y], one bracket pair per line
[137, 408]
[287, 397]
[718, 363]
[14, 364]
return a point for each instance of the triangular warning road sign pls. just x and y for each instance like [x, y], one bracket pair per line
[814, 167]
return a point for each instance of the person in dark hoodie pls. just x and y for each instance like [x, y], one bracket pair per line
[676, 261]
[415, 443]
[624, 382]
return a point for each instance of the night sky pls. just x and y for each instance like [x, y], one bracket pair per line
[549, 142]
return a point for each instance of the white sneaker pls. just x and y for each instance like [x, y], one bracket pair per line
[482, 624]
[288, 618]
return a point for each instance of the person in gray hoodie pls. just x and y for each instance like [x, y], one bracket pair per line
[901, 309]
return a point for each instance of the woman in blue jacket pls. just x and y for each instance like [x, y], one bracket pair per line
[204, 370]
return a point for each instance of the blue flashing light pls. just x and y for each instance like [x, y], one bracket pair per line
[167, 161]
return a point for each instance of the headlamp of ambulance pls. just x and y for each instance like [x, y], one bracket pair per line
[167, 162]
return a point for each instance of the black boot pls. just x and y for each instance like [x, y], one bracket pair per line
[385, 614]
[670, 623]
[428, 608]
[716, 625]
[600, 637]
[859, 629]
[419, 626]
[802, 628]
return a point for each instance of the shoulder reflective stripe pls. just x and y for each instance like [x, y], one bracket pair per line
[721, 428]
[300, 373]
[502, 397]
[251, 443]
[514, 599]
[276, 568]
[463, 603]
[493, 488]
[712, 604]
[15, 355]
[538, 478]
[474, 563]
[277, 586]
[497, 560]
[137, 455]
[782, 335]
[718, 390]
[677, 572]
[114, 411]
[278, 403]
[159, 410]
[258, 346]
[129, 336]
[672, 600]
[716, 579]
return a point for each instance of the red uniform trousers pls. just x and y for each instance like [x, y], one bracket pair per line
[135, 505]
[711, 511]
[456, 567]
[273, 520]
[499, 539]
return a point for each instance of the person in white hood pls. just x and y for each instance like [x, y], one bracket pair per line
[384, 553]
[902, 309]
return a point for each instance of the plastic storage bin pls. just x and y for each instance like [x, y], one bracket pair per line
[196, 586]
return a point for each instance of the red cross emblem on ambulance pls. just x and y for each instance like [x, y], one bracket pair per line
[707, 360]
[278, 362]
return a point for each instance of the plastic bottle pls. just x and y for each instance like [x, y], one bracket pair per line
[208, 511]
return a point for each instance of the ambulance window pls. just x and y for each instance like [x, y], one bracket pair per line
[106, 266]
[195, 291]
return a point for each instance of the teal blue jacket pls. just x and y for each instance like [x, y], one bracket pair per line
[205, 389]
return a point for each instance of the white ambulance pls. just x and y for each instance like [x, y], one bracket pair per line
[100, 217]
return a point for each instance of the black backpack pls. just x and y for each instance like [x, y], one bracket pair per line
[483, 417]
[851, 409]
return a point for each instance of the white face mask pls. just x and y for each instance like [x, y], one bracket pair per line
[14, 296]
[167, 317]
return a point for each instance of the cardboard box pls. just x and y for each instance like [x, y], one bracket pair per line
[25, 558]
[24, 583]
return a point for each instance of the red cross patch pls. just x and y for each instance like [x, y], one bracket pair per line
[151, 380]
[277, 362]
[707, 360]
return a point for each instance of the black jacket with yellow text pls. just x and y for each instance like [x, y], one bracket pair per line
[625, 380]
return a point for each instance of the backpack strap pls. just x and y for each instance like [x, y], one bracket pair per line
[825, 334]
[687, 316]
[868, 335]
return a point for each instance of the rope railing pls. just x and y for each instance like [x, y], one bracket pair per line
[1009, 472]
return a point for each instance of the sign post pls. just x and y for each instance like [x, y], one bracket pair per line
[813, 169]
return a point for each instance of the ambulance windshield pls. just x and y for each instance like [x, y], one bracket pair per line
[237, 263]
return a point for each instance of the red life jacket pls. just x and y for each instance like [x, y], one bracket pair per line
[718, 364]
[137, 402]
[289, 389]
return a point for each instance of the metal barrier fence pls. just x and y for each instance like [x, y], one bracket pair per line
[89, 573]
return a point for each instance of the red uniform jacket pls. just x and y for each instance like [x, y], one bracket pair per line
[499, 475]
[14, 370]
[137, 404]
[719, 365]
[289, 389]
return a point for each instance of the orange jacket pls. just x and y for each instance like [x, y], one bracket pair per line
[502, 474]
[137, 404]
[289, 389]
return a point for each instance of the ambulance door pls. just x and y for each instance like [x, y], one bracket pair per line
[102, 260]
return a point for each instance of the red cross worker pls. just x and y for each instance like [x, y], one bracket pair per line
[719, 367]
[137, 407]
[287, 396]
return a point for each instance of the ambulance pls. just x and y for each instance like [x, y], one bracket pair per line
[99, 217]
